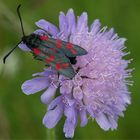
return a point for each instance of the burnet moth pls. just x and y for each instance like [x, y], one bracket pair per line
[58, 54]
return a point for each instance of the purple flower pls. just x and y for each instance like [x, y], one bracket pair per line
[99, 89]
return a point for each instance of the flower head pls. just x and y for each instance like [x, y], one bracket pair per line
[99, 89]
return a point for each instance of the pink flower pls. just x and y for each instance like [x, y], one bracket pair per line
[99, 89]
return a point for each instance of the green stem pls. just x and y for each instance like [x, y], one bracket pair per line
[51, 134]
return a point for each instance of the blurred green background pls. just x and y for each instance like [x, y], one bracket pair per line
[21, 115]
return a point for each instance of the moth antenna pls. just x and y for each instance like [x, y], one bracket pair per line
[5, 57]
[18, 12]
[22, 29]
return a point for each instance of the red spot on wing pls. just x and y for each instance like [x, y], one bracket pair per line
[36, 51]
[47, 60]
[65, 65]
[50, 59]
[69, 46]
[53, 49]
[58, 66]
[73, 51]
[58, 43]
[44, 37]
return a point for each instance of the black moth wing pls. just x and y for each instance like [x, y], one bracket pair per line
[55, 59]
[67, 48]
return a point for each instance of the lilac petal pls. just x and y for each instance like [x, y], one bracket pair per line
[126, 98]
[71, 122]
[82, 62]
[82, 23]
[48, 72]
[95, 27]
[40, 32]
[47, 26]
[77, 80]
[53, 115]
[35, 85]
[71, 21]
[103, 122]
[24, 47]
[68, 101]
[47, 96]
[63, 25]
[56, 101]
[113, 122]
[77, 93]
[83, 117]
[66, 87]
[109, 34]
[119, 43]
[90, 111]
